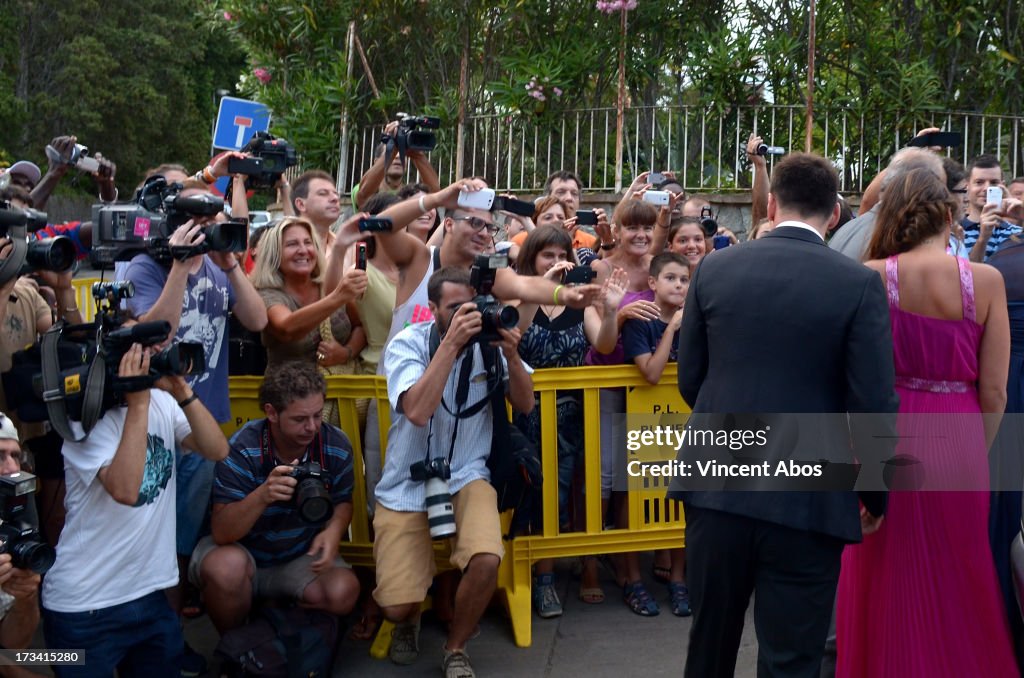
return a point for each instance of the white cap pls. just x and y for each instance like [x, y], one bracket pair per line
[29, 169]
[7, 430]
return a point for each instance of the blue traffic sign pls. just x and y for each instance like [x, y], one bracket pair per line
[237, 121]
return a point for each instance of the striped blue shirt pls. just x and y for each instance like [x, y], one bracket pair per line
[972, 229]
[279, 534]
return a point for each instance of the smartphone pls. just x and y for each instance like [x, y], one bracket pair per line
[579, 275]
[944, 139]
[520, 208]
[481, 200]
[361, 256]
[993, 195]
[375, 224]
[656, 197]
[656, 178]
[721, 242]
[247, 166]
[586, 218]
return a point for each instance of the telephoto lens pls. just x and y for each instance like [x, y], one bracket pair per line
[440, 513]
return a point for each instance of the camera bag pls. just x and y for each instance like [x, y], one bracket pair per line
[293, 642]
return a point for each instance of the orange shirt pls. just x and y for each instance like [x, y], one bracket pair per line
[579, 239]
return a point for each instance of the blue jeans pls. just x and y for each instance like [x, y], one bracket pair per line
[140, 638]
[193, 487]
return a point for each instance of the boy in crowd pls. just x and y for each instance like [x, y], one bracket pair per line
[652, 344]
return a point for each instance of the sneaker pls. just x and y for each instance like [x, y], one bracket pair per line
[456, 665]
[545, 598]
[405, 643]
[192, 663]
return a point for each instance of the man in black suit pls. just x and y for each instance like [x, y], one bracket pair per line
[781, 324]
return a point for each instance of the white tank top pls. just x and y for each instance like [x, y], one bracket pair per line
[416, 308]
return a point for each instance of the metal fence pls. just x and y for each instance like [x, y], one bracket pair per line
[703, 146]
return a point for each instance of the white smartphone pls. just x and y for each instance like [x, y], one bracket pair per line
[993, 195]
[481, 200]
[656, 197]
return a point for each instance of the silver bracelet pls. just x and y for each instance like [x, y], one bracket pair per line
[423, 208]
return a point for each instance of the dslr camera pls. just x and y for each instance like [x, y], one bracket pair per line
[440, 514]
[496, 315]
[414, 133]
[276, 155]
[17, 537]
[146, 225]
[49, 254]
[707, 222]
[311, 495]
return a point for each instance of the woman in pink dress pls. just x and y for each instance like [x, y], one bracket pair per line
[919, 596]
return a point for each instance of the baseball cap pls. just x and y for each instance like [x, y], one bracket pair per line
[7, 430]
[29, 169]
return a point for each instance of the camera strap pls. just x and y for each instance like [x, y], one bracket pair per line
[54, 392]
[268, 459]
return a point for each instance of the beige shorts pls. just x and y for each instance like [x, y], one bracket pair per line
[404, 552]
[284, 580]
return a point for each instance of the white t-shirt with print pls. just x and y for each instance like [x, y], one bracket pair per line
[110, 553]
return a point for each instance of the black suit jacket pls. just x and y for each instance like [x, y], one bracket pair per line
[783, 324]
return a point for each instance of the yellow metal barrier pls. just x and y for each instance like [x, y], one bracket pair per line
[83, 292]
[654, 522]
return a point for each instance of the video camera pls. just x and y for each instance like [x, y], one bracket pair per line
[413, 134]
[77, 158]
[146, 225]
[275, 156]
[49, 254]
[72, 373]
[18, 537]
[495, 314]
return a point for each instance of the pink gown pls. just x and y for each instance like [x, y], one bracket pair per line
[919, 597]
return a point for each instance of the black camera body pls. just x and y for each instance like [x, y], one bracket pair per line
[49, 254]
[436, 467]
[496, 315]
[708, 223]
[414, 133]
[311, 492]
[146, 225]
[17, 537]
[275, 155]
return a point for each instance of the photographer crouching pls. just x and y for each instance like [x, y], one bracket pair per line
[435, 482]
[281, 502]
[116, 555]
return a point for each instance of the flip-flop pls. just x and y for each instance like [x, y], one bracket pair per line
[592, 595]
[662, 575]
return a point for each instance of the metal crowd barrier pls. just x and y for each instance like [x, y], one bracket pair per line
[654, 521]
[83, 292]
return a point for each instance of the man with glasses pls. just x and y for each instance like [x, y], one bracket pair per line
[468, 232]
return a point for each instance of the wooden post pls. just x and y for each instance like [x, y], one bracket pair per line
[460, 130]
[810, 81]
[620, 103]
[342, 173]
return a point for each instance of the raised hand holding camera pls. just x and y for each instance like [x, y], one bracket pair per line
[467, 322]
[279, 485]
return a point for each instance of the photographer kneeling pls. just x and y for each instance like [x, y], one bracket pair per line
[105, 593]
[281, 502]
[436, 371]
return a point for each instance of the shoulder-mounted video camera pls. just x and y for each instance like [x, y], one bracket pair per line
[146, 225]
[72, 372]
[496, 315]
[28, 255]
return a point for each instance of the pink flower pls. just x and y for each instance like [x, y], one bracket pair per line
[558, 92]
[228, 17]
[262, 74]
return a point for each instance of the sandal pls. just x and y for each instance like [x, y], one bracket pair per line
[593, 595]
[662, 575]
[679, 595]
[639, 600]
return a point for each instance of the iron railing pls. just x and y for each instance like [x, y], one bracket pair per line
[702, 145]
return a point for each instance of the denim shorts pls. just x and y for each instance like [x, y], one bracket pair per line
[139, 638]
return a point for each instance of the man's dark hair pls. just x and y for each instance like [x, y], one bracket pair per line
[300, 187]
[955, 172]
[806, 184]
[409, 190]
[659, 262]
[1016, 180]
[563, 175]
[380, 202]
[984, 161]
[448, 274]
[287, 382]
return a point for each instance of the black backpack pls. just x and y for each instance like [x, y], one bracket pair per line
[286, 643]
